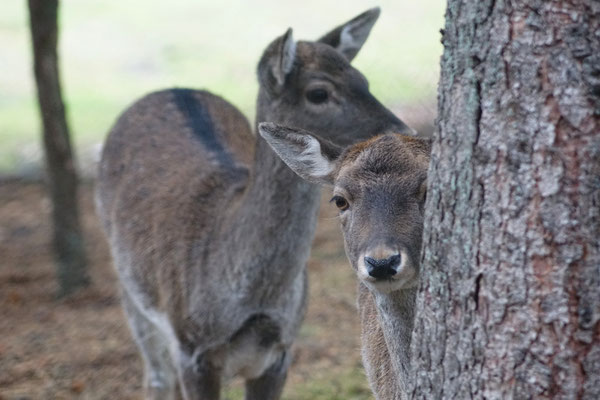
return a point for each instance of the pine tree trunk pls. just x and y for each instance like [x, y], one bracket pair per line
[509, 304]
[62, 177]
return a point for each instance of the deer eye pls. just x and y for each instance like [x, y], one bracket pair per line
[340, 202]
[317, 96]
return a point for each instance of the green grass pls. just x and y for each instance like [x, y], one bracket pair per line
[114, 52]
[350, 384]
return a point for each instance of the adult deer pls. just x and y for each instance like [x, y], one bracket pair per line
[379, 187]
[210, 231]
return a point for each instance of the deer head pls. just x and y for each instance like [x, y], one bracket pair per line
[379, 187]
[312, 85]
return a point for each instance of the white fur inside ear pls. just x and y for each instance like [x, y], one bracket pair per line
[316, 163]
[286, 60]
[348, 41]
[289, 54]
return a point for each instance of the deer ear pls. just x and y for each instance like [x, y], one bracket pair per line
[313, 158]
[350, 37]
[284, 57]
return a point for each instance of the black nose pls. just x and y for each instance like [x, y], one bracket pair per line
[384, 268]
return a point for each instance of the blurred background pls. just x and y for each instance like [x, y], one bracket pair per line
[110, 54]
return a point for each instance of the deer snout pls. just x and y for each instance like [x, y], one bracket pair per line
[383, 268]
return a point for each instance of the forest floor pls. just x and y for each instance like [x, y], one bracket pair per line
[80, 348]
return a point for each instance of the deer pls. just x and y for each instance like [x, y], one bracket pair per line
[210, 231]
[379, 187]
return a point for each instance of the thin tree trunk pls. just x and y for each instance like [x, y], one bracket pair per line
[509, 304]
[62, 177]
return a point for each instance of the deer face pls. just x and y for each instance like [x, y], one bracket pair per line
[379, 188]
[313, 86]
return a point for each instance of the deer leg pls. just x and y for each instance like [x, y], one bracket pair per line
[199, 378]
[160, 378]
[269, 385]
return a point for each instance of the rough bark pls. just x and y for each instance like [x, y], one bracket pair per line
[61, 174]
[509, 303]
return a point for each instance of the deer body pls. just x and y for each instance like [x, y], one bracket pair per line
[379, 187]
[180, 256]
[210, 231]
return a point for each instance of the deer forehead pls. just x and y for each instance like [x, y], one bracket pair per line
[325, 60]
[386, 162]
[381, 155]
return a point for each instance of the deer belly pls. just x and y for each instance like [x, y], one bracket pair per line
[254, 348]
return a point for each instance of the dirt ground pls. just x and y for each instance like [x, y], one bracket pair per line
[80, 348]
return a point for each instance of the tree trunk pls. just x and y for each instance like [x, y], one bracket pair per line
[509, 304]
[62, 177]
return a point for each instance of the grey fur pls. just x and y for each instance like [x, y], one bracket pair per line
[210, 231]
[383, 183]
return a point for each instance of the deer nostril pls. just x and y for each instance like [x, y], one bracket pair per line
[382, 268]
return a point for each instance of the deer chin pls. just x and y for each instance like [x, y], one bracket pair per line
[406, 277]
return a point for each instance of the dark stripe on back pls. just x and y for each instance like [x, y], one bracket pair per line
[200, 123]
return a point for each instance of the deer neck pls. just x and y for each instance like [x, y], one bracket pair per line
[275, 187]
[276, 219]
[396, 315]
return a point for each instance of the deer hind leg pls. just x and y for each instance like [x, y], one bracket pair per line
[269, 385]
[160, 377]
